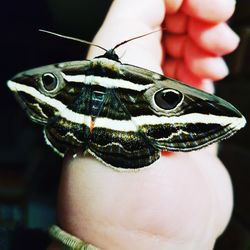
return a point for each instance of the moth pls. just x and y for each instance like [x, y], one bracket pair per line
[121, 114]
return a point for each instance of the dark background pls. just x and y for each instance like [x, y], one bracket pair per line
[30, 171]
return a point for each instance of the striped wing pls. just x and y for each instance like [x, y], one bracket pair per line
[197, 121]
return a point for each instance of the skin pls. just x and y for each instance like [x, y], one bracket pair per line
[184, 200]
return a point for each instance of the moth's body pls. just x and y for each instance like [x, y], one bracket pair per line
[122, 114]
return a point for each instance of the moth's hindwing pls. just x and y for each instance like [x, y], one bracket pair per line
[122, 114]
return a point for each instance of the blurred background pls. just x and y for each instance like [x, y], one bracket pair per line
[30, 171]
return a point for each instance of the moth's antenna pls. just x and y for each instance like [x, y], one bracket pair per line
[73, 38]
[134, 38]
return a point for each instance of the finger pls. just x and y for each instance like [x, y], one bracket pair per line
[174, 45]
[176, 23]
[124, 22]
[176, 68]
[203, 64]
[208, 86]
[209, 10]
[170, 66]
[218, 39]
[172, 6]
[151, 12]
[184, 74]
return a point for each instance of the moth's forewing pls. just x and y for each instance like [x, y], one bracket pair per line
[60, 111]
[197, 121]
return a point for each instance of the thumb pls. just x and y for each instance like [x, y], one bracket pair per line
[123, 23]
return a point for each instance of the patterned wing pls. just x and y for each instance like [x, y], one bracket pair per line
[178, 117]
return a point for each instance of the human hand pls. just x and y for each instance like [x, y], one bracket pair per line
[180, 202]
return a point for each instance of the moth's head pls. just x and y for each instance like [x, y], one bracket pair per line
[39, 90]
[110, 54]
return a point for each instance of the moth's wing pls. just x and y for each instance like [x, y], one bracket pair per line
[67, 129]
[39, 104]
[116, 140]
[64, 136]
[197, 121]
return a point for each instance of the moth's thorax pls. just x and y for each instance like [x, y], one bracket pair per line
[105, 65]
